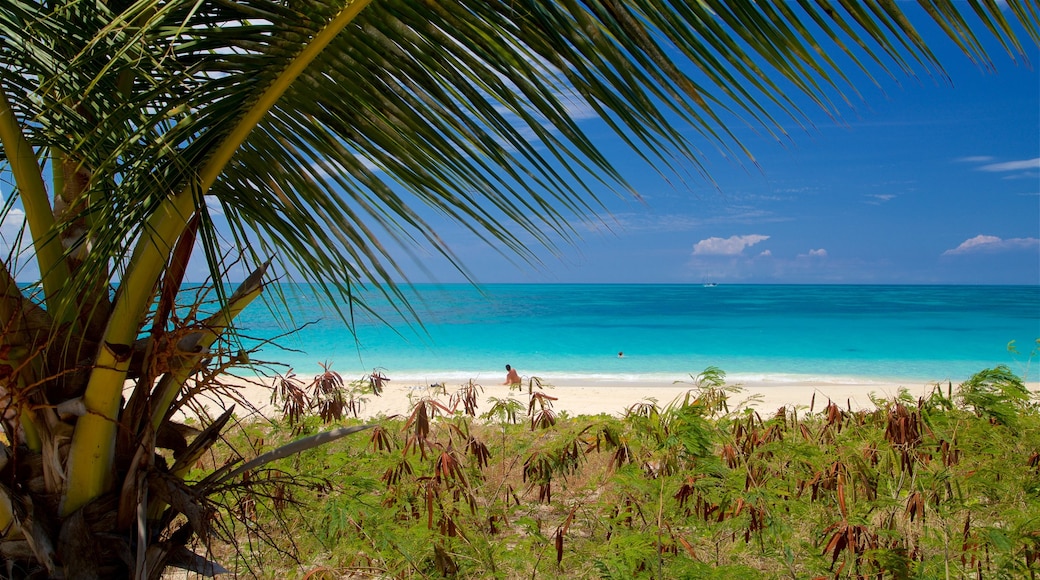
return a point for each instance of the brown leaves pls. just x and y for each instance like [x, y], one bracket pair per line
[328, 397]
[950, 453]
[904, 426]
[467, 397]
[561, 532]
[448, 467]
[914, 506]
[377, 381]
[438, 488]
[622, 456]
[538, 469]
[729, 455]
[329, 394]
[541, 412]
[290, 391]
[419, 424]
[756, 518]
[479, 451]
[841, 497]
[381, 439]
[396, 473]
[903, 430]
[856, 539]
[835, 421]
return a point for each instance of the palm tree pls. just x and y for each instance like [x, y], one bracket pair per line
[318, 128]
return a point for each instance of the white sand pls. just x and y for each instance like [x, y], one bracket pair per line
[591, 396]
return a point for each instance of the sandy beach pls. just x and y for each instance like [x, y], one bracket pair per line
[613, 397]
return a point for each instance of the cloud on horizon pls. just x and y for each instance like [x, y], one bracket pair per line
[730, 246]
[984, 243]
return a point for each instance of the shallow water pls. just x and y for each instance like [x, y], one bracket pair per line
[667, 332]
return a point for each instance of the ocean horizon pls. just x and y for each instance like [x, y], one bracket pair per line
[666, 332]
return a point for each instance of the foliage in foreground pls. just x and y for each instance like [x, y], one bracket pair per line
[947, 485]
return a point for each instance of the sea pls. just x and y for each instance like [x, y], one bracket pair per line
[637, 332]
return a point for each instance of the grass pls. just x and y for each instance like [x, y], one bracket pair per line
[945, 486]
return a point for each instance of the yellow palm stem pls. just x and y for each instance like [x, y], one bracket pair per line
[93, 442]
[27, 421]
[214, 326]
[36, 203]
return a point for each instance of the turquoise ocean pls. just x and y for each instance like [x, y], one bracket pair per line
[666, 332]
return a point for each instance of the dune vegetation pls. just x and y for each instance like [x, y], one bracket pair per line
[704, 486]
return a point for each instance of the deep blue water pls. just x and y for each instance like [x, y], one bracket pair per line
[931, 333]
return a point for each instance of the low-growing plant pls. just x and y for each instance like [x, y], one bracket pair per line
[911, 488]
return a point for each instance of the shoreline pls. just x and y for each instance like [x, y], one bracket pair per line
[591, 396]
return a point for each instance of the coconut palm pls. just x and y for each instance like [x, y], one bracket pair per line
[326, 132]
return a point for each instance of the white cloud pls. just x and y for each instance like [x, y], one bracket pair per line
[975, 159]
[577, 107]
[730, 246]
[822, 253]
[794, 190]
[766, 253]
[880, 198]
[24, 268]
[10, 227]
[983, 243]
[1013, 165]
[657, 223]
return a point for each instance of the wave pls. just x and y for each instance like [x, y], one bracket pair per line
[495, 378]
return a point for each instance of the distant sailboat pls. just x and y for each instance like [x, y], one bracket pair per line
[710, 284]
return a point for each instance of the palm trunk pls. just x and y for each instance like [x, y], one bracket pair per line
[93, 443]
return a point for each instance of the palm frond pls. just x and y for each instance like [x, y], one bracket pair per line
[462, 107]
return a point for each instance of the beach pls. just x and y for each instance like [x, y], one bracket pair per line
[782, 345]
[590, 397]
[612, 397]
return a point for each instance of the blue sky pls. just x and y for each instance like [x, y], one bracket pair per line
[921, 181]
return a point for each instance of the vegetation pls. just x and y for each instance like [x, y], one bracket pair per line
[944, 486]
[315, 128]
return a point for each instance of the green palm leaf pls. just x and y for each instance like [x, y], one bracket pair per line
[460, 108]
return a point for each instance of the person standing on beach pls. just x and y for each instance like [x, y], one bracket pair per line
[512, 377]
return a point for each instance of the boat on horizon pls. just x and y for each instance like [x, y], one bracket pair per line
[710, 284]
